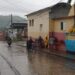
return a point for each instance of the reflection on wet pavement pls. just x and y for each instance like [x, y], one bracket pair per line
[44, 64]
[36, 63]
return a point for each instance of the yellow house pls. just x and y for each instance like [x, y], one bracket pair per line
[63, 27]
[63, 24]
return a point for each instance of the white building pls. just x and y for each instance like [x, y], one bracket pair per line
[38, 23]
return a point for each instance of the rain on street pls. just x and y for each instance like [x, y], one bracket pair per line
[16, 60]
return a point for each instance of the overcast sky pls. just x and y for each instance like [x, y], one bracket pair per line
[23, 7]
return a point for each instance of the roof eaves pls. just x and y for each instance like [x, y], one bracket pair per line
[63, 17]
[47, 8]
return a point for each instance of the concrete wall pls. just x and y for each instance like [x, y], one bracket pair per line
[71, 13]
[65, 42]
[39, 18]
[68, 23]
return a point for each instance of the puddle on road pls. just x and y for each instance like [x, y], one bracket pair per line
[38, 63]
[49, 65]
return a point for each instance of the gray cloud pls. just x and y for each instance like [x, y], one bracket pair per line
[22, 7]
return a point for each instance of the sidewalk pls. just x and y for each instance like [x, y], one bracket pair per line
[65, 55]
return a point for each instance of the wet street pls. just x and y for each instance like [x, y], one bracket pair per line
[16, 60]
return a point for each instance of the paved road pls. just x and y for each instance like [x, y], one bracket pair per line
[17, 61]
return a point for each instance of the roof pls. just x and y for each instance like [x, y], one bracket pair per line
[47, 8]
[65, 11]
[44, 9]
[60, 10]
[19, 25]
[67, 17]
[38, 11]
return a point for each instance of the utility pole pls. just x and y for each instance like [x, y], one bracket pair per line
[11, 19]
[11, 24]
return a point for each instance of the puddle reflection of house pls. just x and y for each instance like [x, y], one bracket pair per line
[19, 29]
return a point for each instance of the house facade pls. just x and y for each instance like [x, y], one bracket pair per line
[55, 22]
[63, 25]
[17, 31]
[38, 23]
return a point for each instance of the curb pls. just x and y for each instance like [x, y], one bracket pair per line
[56, 54]
[61, 55]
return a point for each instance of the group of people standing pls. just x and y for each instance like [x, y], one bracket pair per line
[40, 41]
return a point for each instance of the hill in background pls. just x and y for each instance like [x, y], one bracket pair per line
[5, 21]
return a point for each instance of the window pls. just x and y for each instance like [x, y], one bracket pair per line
[62, 25]
[29, 22]
[41, 25]
[32, 22]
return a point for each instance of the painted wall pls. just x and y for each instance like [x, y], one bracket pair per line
[65, 43]
[55, 26]
[70, 39]
[68, 23]
[39, 18]
[71, 13]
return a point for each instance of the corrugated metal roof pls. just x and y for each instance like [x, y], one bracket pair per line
[41, 10]
[19, 25]
[57, 11]
[60, 10]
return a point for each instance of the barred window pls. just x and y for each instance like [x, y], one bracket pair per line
[29, 22]
[62, 25]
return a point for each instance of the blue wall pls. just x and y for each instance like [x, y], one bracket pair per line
[70, 45]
